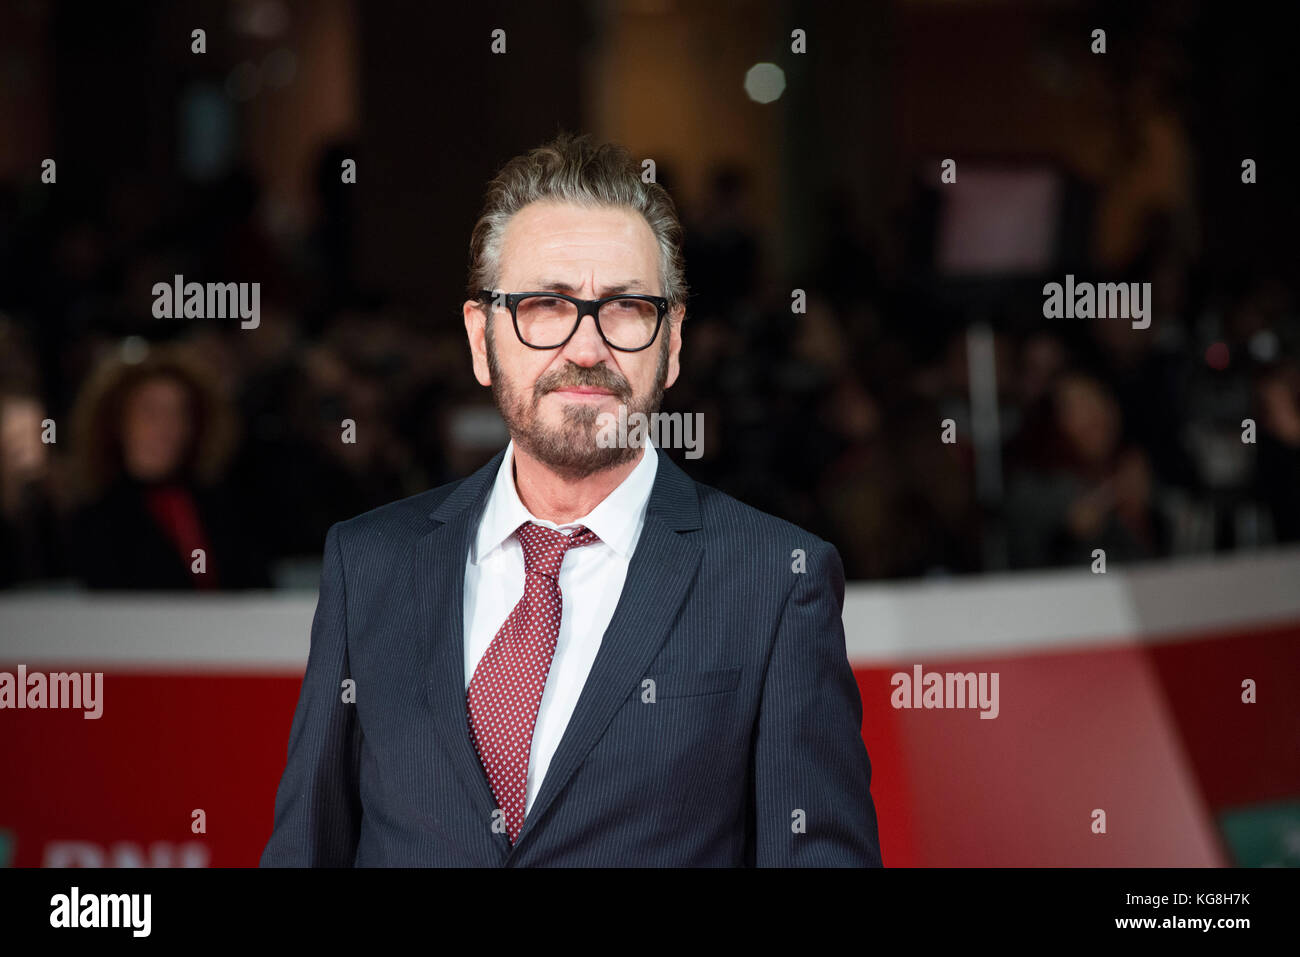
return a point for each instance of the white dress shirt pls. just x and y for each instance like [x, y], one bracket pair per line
[591, 581]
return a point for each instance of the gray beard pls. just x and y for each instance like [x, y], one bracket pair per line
[571, 451]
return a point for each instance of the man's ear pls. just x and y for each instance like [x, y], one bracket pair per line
[676, 316]
[476, 332]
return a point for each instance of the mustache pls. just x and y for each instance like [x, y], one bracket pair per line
[592, 377]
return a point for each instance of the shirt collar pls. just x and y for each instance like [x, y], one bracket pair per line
[614, 519]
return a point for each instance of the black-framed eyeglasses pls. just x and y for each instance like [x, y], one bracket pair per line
[547, 320]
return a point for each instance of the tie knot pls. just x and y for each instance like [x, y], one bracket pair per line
[545, 548]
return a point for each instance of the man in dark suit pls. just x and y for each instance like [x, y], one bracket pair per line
[576, 656]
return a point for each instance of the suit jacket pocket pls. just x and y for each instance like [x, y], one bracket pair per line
[683, 684]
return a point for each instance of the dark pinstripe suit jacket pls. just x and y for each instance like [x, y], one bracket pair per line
[749, 754]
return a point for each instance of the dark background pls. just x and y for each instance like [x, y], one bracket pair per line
[224, 167]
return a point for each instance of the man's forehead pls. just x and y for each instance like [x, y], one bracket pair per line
[551, 284]
[556, 243]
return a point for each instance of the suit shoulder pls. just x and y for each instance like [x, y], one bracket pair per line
[729, 518]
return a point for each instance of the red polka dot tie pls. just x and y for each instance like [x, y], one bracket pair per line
[506, 690]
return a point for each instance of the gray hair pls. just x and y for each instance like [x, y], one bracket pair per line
[571, 169]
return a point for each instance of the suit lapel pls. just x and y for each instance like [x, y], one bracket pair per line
[439, 586]
[659, 576]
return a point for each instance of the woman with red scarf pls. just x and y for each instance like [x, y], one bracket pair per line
[152, 438]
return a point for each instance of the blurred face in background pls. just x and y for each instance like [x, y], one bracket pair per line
[1041, 360]
[21, 450]
[1088, 417]
[156, 428]
[551, 399]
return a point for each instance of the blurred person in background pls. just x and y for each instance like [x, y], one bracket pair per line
[1277, 475]
[28, 523]
[151, 441]
[862, 492]
[318, 467]
[901, 503]
[1075, 484]
[1042, 357]
[28, 514]
[371, 470]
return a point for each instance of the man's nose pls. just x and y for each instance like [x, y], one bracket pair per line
[586, 347]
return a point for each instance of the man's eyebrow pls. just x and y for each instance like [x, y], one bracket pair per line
[628, 285]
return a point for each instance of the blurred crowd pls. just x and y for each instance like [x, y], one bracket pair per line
[129, 443]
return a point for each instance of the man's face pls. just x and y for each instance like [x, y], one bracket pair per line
[551, 398]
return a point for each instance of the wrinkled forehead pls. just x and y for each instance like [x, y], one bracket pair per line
[566, 247]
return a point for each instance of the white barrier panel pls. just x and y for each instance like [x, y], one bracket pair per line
[270, 631]
[1074, 608]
